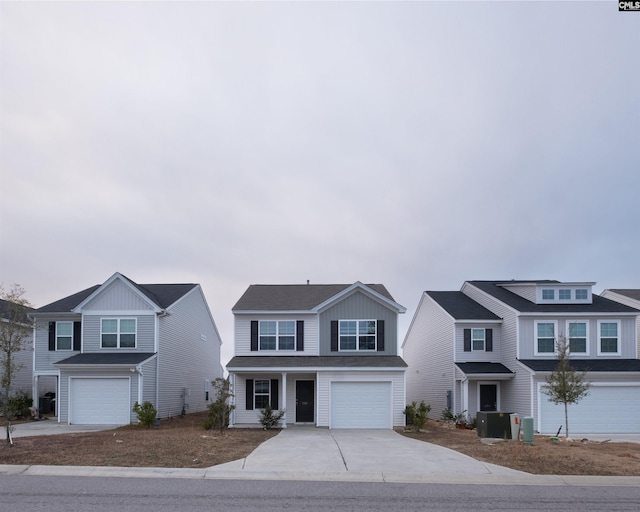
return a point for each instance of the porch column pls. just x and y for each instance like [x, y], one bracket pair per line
[465, 396]
[34, 391]
[284, 400]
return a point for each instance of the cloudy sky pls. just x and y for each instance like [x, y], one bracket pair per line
[414, 144]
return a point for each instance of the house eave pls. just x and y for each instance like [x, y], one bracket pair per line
[313, 369]
[488, 376]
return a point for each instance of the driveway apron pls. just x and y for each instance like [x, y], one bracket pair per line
[317, 450]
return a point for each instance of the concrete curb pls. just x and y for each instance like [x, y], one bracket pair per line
[233, 471]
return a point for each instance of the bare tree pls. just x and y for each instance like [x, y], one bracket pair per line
[566, 385]
[15, 329]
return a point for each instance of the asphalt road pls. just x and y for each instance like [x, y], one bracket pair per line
[62, 494]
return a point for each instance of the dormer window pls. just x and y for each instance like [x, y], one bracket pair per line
[548, 294]
[581, 294]
[564, 294]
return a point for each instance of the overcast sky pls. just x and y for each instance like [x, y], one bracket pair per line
[416, 144]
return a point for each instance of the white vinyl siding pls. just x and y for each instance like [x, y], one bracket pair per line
[428, 350]
[185, 360]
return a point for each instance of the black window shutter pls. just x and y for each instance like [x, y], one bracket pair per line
[334, 335]
[77, 333]
[254, 335]
[274, 394]
[249, 393]
[488, 333]
[467, 340]
[52, 335]
[300, 336]
[380, 332]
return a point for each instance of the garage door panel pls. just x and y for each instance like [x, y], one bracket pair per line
[361, 405]
[606, 410]
[99, 401]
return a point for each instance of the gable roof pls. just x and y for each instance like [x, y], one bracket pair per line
[301, 297]
[599, 304]
[632, 293]
[162, 295]
[461, 307]
[7, 312]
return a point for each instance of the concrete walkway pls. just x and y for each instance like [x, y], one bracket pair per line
[315, 454]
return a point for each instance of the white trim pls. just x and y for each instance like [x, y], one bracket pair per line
[116, 277]
[357, 335]
[70, 349]
[488, 383]
[535, 337]
[102, 377]
[315, 402]
[599, 338]
[586, 322]
[355, 286]
[118, 332]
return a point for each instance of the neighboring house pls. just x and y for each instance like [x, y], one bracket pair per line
[23, 379]
[490, 346]
[629, 297]
[120, 342]
[326, 354]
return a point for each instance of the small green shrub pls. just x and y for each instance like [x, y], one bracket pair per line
[417, 414]
[19, 404]
[220, 409]
[146, 413]
[270, 418]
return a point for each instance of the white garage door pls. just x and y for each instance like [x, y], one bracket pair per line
[99, 401]
[606, 410]
[360, 405]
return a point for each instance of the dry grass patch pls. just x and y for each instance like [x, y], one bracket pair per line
[177, 443]
[544, 457]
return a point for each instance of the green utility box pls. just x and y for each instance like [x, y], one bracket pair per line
[494, 424]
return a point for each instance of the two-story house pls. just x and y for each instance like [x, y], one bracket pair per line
[491, 345]
[325, 354]
[120, 342]
[23, 359]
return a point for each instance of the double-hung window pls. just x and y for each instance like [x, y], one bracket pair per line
[608, 337]
[118, 333]
[577, 332]
[545, 337]
[564, 294]
[261, 393]
[548, 294]
[277, 335]
[357, 335]
[64, 335]
[477, 339]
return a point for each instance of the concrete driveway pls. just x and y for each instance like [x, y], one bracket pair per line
[52, 427]
[309, 452]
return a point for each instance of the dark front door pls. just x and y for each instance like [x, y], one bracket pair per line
[305, 392]
[488, 397]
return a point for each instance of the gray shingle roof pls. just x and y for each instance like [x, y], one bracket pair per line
[461, 307]
[276, 362]
[162, 295]
[599, 305]
[581, 365]
[111, 358]
[293, 297]
[472, 368]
